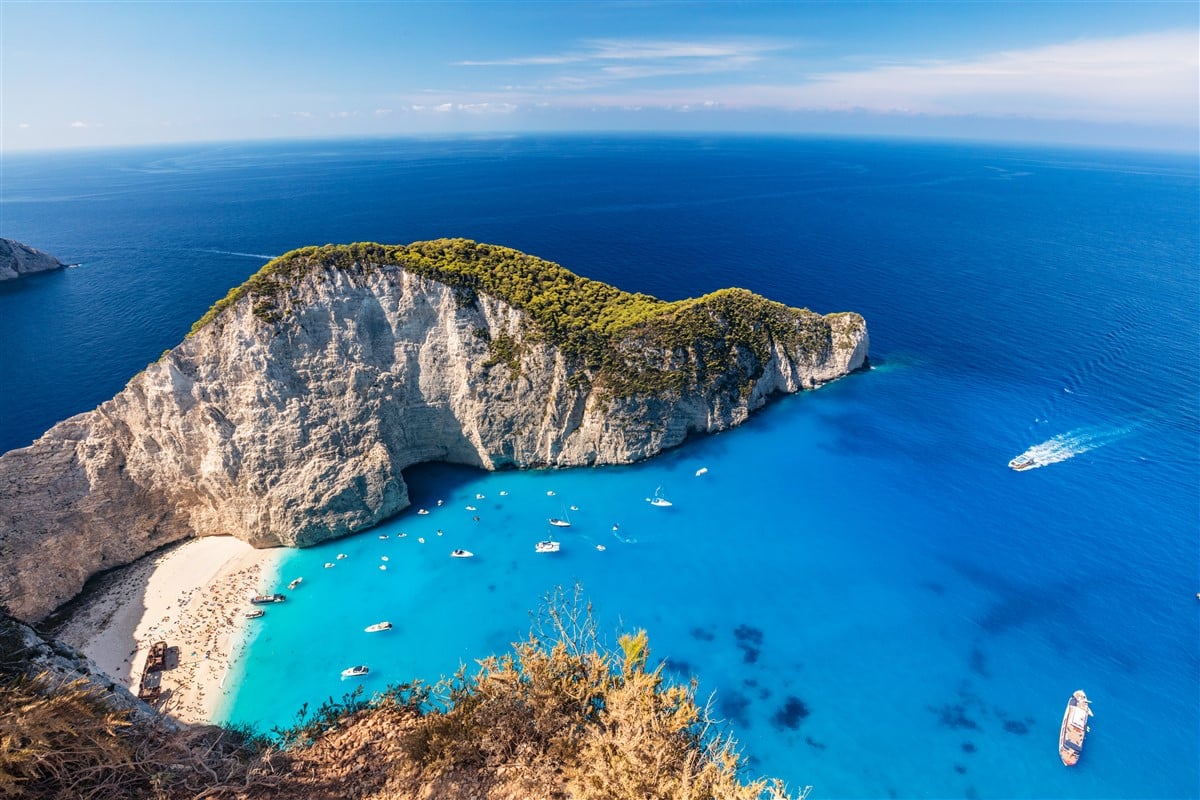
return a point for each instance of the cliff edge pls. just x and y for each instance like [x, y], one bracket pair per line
[289, 413]
[18, 259]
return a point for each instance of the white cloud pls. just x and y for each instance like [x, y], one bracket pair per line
[79, 124]
[382, 112]
[23, 125]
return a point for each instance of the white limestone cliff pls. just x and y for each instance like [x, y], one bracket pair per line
[18, 259]
[295, 428]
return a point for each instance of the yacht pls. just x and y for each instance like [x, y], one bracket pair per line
[1074, 728]
[355, 672]
[658, 499]
[547, 546]
[378, 626]
[560, 523]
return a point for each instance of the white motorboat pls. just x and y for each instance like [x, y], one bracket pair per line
[378, 626]
[329, 565]
[295, 583]
[658, 499]
[461, 554]
[254, 613]
[340, 556]
[422, 512]
[701, 471]
[1023, 462]
[355, 672]
[560, 523]
[547, 546]
[472, 508]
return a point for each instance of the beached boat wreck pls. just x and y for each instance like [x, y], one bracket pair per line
[1074, 728]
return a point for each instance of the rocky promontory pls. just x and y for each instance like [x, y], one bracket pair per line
[18, 259]
[289, 413]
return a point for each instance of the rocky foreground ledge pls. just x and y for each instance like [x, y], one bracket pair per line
[288, 414]
[17, 260]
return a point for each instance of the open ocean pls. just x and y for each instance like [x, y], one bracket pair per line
[879, 605]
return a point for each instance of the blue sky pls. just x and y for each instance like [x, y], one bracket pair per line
[99, 74]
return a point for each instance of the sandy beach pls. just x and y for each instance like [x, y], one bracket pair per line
[193, 597]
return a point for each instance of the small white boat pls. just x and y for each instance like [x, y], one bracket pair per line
[472, 508]
[384, 558]
[461, 554]
[504, 493]
[378, 626]
[355, 672]
[658, 499]
[574, 508]
[478, 497]
[254, 613]
[264, 599]
[1022, 463]
[295, 583]
[383, 536]
[601, 548]
[439, 531]
[422, 512]
[550, 494]
[421, 539]
[383, 567]
[401, 535]
[701, 471]
[329, 565]
[440, 502]
[340, 556]
[547, 546]
[560, 523]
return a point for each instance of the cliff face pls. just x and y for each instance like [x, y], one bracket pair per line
[288, 418]
[17, 259]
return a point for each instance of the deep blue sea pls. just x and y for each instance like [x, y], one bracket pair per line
[879, 606]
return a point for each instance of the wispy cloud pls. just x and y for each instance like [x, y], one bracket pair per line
[1145, 78]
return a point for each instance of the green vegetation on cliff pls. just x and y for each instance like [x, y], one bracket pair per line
[603, 329]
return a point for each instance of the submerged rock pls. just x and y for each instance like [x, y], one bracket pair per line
[289, 413]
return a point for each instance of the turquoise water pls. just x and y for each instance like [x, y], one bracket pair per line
[881, 607]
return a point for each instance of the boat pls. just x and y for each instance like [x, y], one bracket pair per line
[340, 556]
[658, 499]
[265, 599]
[355, 672]
[378, 626]
[295, 583]
[701, 471]
[601, 548]
[383, 536]
[384, 558]
[478, 496]
[1074, 728]
[547, 546]
[550, 493]
[422, 512]
[560, 523]
[254, 613]
[461, 554]
[1021, 463]
[504, 493]
[329, 565]
[472, 508]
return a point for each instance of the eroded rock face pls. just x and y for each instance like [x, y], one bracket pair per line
[296, 430]
[18, 259]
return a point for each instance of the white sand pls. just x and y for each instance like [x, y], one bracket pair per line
[193, 597]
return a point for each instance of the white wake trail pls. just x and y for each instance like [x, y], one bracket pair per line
[1068, 445]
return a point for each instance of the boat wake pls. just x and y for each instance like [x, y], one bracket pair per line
[1070, 444]
[235, 253]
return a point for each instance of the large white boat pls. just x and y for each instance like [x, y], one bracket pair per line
[1074, 728]
[264, 599]
[355, 672]
[378, 626]
[461, 554]
[547, 546]
[658, 499]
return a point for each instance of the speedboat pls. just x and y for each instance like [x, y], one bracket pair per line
[295, 583]
[340, 556]
[254, 613]
[547, 546]
[658, 499]
[355, 672]
[383, 536]
[701, 471]
[378, 626]
[472, 508]
[461, 554]
[560, 523]
[329, 565]
[1023, 463]
[422, 512]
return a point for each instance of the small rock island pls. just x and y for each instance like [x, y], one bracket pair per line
[18, 260]
[289, 413]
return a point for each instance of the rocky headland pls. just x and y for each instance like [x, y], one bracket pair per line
[289, 413]
[17, 260]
